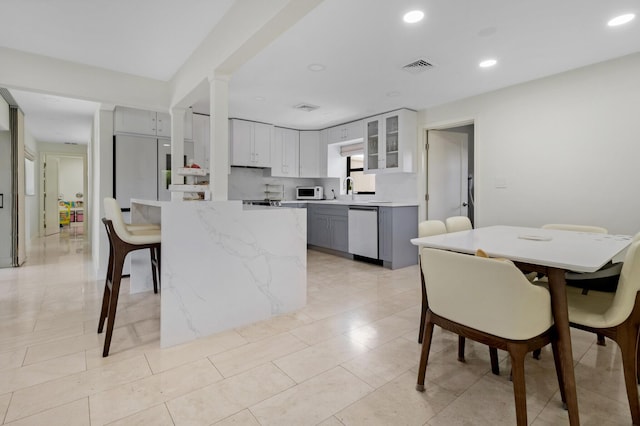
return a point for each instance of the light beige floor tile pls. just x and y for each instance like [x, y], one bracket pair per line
[397, 403]
[244, 418]
[313, 401]
[38, 337]
[274, 326]
[72, 414]
[220, 400]
[594, 410]
[96, 360]
[4, 404]
[154, 416]
[600, 371]
[246, 357]
[12, 359]
[386, 362]
[55, 349]
[382, 331]
[316, 359]
[489, 401]
[50, 394]
[164, 359]
[22, 377]
[331, 421]
[128, 399]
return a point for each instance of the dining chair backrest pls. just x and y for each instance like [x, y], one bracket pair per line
[489, 295]
[576, 228]
[113, 213]
[428, 228]
[458, 223]
[628, 287]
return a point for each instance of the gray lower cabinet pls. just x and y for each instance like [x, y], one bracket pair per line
[396, 227]
[328, 227]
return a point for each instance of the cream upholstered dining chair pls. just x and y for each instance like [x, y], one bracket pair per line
[427, 228]
[123, 239]
[458, 223]
[467, 296]
[616, 316]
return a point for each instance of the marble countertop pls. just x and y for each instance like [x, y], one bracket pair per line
[343, 202]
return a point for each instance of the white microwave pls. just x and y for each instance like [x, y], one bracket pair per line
[309, 193]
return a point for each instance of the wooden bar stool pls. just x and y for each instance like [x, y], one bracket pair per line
[122, 241]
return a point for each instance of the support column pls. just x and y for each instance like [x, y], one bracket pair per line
[219, 137]
[177, 149]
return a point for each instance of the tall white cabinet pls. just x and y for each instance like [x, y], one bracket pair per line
[390, 142]
[311, 154]
[285, 152]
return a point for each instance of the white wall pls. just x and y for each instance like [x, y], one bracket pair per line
[101, 186]
[567, 147]
[70, 178]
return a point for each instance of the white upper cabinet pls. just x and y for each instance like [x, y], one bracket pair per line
[310, 154]
[250, 143]
[150, 123]
[390, 142]
[345, 132]
[285, 152]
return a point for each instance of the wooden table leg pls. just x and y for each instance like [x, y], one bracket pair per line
[557, 288]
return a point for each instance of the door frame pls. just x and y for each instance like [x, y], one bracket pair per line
[424, 162]
[86, 196]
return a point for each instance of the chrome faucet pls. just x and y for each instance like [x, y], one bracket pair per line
[346, 186]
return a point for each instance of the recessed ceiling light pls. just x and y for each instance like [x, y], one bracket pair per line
[260, 98]
[413, 16]
[393, 94]
[316, 67]
[487, 63]
[621, 20]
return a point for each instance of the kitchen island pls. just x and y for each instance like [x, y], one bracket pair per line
[225, 265]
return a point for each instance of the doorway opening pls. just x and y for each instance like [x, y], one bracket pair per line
[450, 172]
[64, 194]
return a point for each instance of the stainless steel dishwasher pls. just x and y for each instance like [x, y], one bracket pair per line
[363, 231]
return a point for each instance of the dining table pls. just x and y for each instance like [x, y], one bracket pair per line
[550, 252]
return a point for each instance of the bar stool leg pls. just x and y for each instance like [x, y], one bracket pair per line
[154, 264]
[113, 300]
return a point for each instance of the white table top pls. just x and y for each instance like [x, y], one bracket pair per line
[575, 251]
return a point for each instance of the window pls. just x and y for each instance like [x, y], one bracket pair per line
[363, 184]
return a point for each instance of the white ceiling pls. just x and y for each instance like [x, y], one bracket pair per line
[362, 43]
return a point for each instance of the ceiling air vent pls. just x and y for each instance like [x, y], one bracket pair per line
[306, 107]
[418, 66]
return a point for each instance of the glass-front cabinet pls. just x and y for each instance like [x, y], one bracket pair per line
[391, 141]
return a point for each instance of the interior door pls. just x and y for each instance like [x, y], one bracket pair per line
[447, 173]
[51, 214]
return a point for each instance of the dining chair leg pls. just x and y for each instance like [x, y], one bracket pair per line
[423, 314]
[461, 345]
[558, 364]
[627, 340]
[493, 354]
[518, 353]
[601, 341]
[113, 301]
[424, 356]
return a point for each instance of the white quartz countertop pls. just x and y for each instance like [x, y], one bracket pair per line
[355, 203]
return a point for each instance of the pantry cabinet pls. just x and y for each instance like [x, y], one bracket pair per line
[285, 152]
[390, 142]
[310, 154]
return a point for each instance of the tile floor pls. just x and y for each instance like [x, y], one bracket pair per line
[348, 358]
